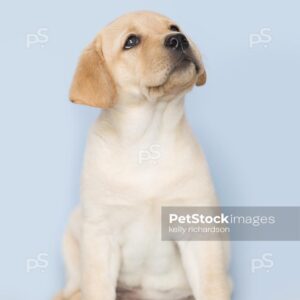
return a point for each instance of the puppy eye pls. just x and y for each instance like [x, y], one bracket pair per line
[131, 42]
[174, 28]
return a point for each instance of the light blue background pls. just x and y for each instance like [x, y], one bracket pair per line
[247, 118]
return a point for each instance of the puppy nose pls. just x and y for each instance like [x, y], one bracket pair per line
[176, 42]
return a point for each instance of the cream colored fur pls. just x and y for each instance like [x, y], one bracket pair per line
[113, 238]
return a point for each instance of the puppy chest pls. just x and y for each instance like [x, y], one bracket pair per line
[141, 246]
[146, 261]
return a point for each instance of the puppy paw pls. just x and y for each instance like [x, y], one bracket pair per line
[75, 296]
[59, 297]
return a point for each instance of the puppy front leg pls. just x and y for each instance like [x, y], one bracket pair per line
[100, 264]
[205, 264]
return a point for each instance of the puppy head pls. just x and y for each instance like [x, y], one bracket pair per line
[139, 56]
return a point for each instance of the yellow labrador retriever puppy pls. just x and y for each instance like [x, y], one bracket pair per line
[138, 70]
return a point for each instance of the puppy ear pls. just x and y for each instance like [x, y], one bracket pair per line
[201, 80]
[92, 84]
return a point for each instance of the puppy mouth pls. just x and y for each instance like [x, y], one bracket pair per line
[183, 62]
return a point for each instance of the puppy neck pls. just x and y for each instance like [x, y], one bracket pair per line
[146, 119]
